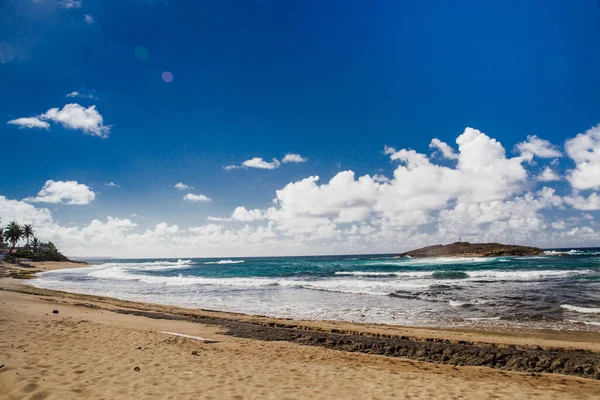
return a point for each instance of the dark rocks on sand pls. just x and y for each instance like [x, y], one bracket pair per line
[532, 359]
[136, 369]
[466, 249]
[54, 311]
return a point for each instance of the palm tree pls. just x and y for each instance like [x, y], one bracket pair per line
[35, 243]
[13, 233]
[28, 232]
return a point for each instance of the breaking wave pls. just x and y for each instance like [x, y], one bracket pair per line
[582, 310]
[225, 262]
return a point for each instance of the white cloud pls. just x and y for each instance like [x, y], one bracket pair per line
[71, 3]
[444, 148]
[111, 184]
[381, 178]
[534, 146]
[548, 175]
[294, 158]
[64, 192]
[584, 149]
[243, 215]
[195, 197]
[484, 196]
[182, 186]
[31, 122]
[82, 94]
[259, 163]
[88, 19]
[590, 203]
[71, 116]
[74, 116]
[560, 224]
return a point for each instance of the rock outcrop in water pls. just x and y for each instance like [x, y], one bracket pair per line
[466, 249]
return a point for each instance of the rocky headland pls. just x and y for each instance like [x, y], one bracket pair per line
[466, 249]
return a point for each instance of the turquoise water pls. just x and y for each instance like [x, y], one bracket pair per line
[560, 290]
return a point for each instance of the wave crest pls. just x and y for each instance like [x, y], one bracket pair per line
[582, 310]
[225, 262]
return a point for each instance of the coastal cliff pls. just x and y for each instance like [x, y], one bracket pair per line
[466, 249]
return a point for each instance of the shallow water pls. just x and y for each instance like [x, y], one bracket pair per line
[560, 290]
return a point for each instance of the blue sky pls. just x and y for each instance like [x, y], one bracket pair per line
[334, 82]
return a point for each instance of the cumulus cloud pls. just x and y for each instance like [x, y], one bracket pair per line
[534, 146]
[590, 203]
[381, 178]
[294, 158]
[195, 197]
[548, 175]
[182, 186]
[444, 148]
[88, 19]
[63, 192]
[111, 184]
[584, 150]
[30, 122]
[259, 163]
[243, 215]
[72, 116]
[484, 196]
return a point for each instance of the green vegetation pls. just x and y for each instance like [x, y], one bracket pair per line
[34, 249]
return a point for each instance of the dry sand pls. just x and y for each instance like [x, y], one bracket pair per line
[92, 353]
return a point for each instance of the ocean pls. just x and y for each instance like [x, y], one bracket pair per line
[559, 290]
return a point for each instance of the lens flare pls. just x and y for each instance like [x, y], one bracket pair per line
[167, 77]
[141, 53]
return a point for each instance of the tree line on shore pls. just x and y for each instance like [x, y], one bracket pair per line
[13, 233]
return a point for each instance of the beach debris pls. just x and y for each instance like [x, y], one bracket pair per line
[2, 366]
[54, 311]
[195, 352]
[205, 340]
[137, 369]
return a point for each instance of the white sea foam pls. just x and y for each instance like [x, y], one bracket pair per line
[340, 285]
[571, 252]
[523, 275]
[415, 274]
[582, 310]
[225, 262]
[435, 261]
[492, 275]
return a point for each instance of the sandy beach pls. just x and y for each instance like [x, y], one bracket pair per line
[101, 348]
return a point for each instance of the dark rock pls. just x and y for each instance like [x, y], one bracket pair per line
[195, 353]
[583, 363]
[136, 369]
[54, 311]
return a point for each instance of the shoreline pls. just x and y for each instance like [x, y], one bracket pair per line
[580, 339]
[104, 347]
[39, 267]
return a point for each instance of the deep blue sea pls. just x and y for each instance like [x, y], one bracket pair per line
[560, 290]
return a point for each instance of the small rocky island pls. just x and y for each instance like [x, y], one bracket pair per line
[466, 249]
